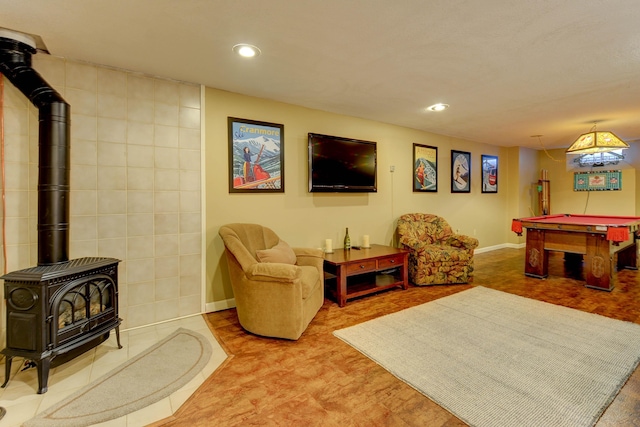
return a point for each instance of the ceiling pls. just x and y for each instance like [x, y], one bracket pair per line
[508, 69]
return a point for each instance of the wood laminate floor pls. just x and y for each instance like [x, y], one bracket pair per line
[321, 381]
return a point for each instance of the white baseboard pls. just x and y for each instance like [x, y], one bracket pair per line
[501, 246]
[220, 305]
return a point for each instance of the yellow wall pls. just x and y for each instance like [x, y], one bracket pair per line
[307, 219]
[523, 173]
[632, 159]
[565, 200]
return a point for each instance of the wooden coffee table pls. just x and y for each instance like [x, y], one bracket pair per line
[354, 273]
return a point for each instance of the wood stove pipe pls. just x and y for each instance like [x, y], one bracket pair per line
[54, 143]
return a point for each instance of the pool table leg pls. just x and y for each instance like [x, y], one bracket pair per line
[628, 257]
[537, 258]
[599, 264]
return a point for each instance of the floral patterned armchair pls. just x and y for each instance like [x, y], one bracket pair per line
[438, 255]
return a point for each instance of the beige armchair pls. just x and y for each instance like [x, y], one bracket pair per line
[278, 290]
[437, 255]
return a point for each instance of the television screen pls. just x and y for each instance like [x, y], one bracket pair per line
[341, 164]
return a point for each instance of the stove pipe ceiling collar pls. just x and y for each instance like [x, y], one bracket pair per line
[16, 50]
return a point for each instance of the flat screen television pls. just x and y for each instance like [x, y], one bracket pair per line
[341, 164]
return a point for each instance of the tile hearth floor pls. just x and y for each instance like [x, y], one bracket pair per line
[22, 402]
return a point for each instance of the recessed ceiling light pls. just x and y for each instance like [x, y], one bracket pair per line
[246, 50]
[438, 107]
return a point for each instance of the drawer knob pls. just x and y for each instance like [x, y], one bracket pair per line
[361, 266]
[392, 261]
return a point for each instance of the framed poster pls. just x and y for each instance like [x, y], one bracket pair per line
[256, 156]
[489, 174]
[425, 168]
[460, 171]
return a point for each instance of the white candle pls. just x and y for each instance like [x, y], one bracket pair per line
[365, 241]
[328, 246]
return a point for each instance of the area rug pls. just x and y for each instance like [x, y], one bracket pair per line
[145, 379]
[496, 359]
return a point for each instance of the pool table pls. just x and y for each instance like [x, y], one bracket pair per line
[606, 242]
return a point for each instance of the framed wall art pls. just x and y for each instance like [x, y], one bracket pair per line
[460, 171]
[425, 168]
[256, 156]
[489, 174]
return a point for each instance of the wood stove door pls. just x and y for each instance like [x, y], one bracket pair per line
[82, 306]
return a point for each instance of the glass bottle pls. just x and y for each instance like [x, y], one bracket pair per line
[347, 241]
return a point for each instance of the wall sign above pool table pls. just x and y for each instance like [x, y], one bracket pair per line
[597, 181]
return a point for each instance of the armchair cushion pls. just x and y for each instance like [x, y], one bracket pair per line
[309, 277]
[281, 253]
[461, 241]
[273, 272]
[444, 254]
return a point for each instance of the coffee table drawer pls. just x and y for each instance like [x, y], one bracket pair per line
[361, 267]
[390, 262]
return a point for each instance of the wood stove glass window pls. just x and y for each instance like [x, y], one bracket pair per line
[85, 306]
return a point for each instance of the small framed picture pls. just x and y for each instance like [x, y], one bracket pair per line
[256, 156]
[489, 174]
[460, 171]
[425, 168]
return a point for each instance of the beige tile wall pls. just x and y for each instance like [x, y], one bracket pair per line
[135, 183]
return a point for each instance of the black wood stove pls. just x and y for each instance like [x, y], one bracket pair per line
[60, 308]
[60, 311]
